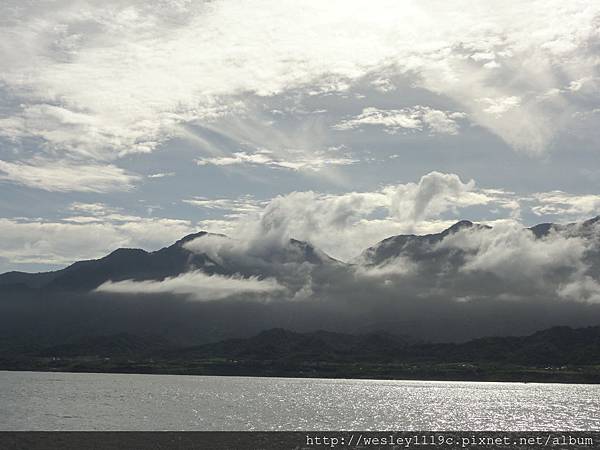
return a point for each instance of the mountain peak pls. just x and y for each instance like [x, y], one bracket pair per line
[311, 253]
[541, 229]
[190, 237]
[123, 252]
[460, 225]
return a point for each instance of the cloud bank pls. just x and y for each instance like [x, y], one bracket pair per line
[470, 280]
[76, 237]
[344, 224]
[341, 224]
[197, 286]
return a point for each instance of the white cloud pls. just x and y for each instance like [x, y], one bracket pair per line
[394, 267]
[331, 222]
[383, 85]
[492, 65]
[561, 265]
[93, 209]
[239, 206]
[111, 78]
[514, 253]
[216, 246]
[564, 204]
[342, 224]
[506, 262]
[197, 285]
[499, 106]
[586, 289]
[395, 120]
[79, 133]
[315, 162]
[161, 175]
[432, 195]
[345, 224]
[77, 237]
[64, 176]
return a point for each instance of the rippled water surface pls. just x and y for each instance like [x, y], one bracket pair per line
[69, 401]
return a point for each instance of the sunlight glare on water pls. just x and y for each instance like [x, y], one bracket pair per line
[69, 401]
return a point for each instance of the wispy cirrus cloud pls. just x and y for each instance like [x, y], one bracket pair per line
[315, 162]
[239, 206]
[566, 205]
[75, 236]
[344, 224]
[418, 118]
[161, 175]
[66, 175]
[499, 106]
[99, 79]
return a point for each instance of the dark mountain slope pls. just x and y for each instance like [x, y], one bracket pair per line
[419, 247]
[423, 248]
[278, 343]
[122, 344]
[554, 346]
[137, 264]
[122, 264]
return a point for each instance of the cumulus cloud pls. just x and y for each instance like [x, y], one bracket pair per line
[417, 118]
[502, 262]
[197, 285]
[515, 254]
[217, 247]
[585, 289]
[65, 175]
[344, 224]
[433, 194]
[480, 280]
[341, 224]
[470, 281]
[505, 262]
[294, 264]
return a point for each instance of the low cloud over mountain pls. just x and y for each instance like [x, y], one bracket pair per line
[467, 281]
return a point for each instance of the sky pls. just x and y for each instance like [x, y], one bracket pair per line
[134, 123]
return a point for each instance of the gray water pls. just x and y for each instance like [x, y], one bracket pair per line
[70, 401]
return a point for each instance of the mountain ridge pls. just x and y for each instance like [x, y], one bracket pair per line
[557, 354]
[175, 259]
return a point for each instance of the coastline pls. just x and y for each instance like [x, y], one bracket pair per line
[270, 369]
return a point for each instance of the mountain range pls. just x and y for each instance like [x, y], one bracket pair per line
[138, 264]
[559, 354]
[468, 281]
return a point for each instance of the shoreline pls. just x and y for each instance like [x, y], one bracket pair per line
[576, 375]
